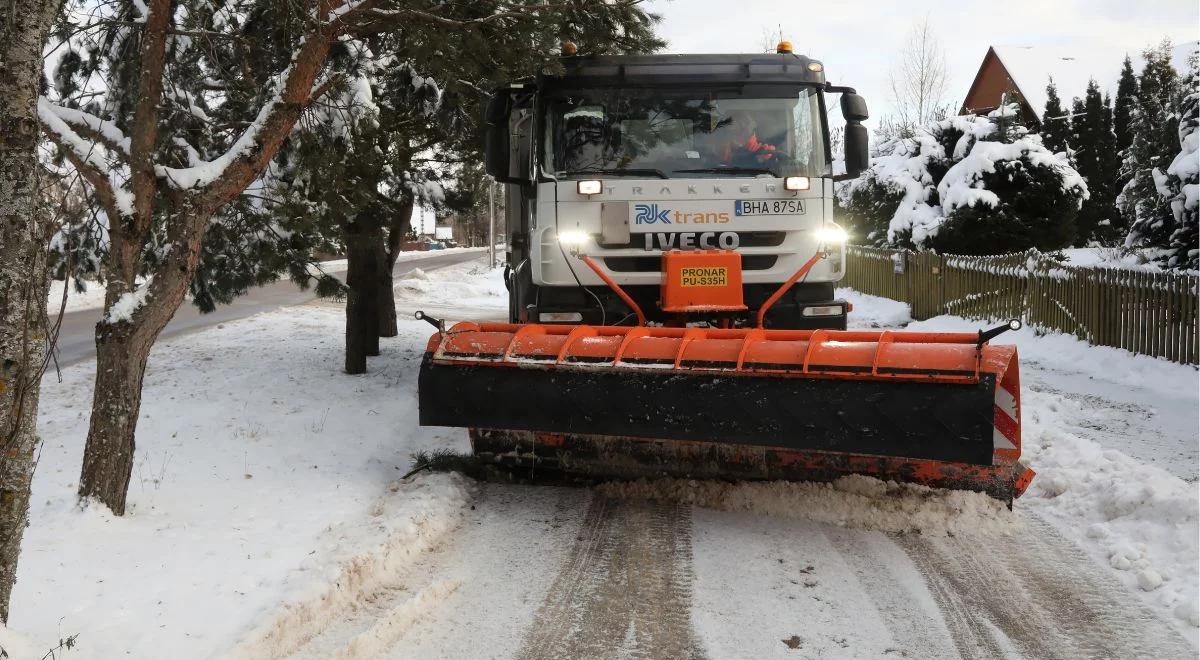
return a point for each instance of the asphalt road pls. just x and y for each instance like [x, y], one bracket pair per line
[77, 337]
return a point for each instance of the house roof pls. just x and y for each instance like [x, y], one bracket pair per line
[1032, 67]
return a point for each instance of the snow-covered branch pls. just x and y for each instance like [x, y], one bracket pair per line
[85, 127]
[90, 157]
[408, 14]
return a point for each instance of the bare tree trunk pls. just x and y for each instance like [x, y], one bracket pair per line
[362, 299]
[387, 296]
[116, 402]
[398, 226]
[24, 231]
[122, 351]
[369, 296]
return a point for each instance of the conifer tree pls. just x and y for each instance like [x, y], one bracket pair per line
[1123, 106]
[1078, 125]
[1096, 159]
[1144, 201]
[1182, 181]
[171, 110]
[1056, 124]
[967, 185]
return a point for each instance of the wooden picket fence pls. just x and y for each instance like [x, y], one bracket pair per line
[1144, 312]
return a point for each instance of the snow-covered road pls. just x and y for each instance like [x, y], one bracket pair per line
[76, 339]
[544, 573]
[267, 519]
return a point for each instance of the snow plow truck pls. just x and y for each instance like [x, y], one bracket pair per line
[672, 255]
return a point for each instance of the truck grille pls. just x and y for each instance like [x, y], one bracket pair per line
[653, 264]
[745, 239]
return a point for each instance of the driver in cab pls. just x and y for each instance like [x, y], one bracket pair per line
[742, 148]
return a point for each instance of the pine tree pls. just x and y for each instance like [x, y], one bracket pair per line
[1096, 160]
[1056, 125]
[1113, 232]
[382, 135]
[170, 110]
[1123, 107]
[1029, 202]
[967, 185]
[1183, 182]
[1143, 201]
[1078, 125]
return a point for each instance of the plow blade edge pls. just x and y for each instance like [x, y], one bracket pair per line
[931, 408]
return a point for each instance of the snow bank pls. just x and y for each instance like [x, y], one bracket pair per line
[873, 311]
[380, 638]
[414, 517]
[851, 501]
[468, 285]
[1139, 519]
[251, 488]
[1067, 354]
[91, 298]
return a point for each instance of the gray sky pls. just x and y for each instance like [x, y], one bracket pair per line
[857, 41]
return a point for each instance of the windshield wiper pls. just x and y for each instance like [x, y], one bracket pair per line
[620, 172]
[729, 170]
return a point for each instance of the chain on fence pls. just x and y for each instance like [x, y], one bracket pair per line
[1151, 313]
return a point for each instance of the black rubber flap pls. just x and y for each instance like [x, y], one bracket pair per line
[936, 421]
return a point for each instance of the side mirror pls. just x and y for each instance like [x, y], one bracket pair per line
[858, 157]
[495, 137]
[854, 107]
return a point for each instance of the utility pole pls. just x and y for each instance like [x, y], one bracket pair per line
[491, 223]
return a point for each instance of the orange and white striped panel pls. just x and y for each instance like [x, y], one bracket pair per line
[1006, 433]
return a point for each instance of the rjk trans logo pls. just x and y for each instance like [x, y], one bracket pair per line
[648, 214]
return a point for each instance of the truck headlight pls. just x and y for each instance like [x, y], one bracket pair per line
[588, 187]
[573, 237]
[796, 183]
[832, 234]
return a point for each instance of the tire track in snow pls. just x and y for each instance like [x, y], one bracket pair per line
[625, 590]
[909, 616]
[1035, 595]
[468, 593]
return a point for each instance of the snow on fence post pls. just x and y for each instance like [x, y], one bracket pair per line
[1149, 313]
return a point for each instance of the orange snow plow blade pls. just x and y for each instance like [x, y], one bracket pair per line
[939, 409]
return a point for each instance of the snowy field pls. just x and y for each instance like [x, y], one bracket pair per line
[268, 517]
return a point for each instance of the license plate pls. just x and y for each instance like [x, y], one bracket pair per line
[704, 276]
[744, 207]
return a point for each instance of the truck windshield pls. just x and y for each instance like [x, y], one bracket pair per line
[686, 133]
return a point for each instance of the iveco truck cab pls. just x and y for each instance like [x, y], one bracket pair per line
[674, 190]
